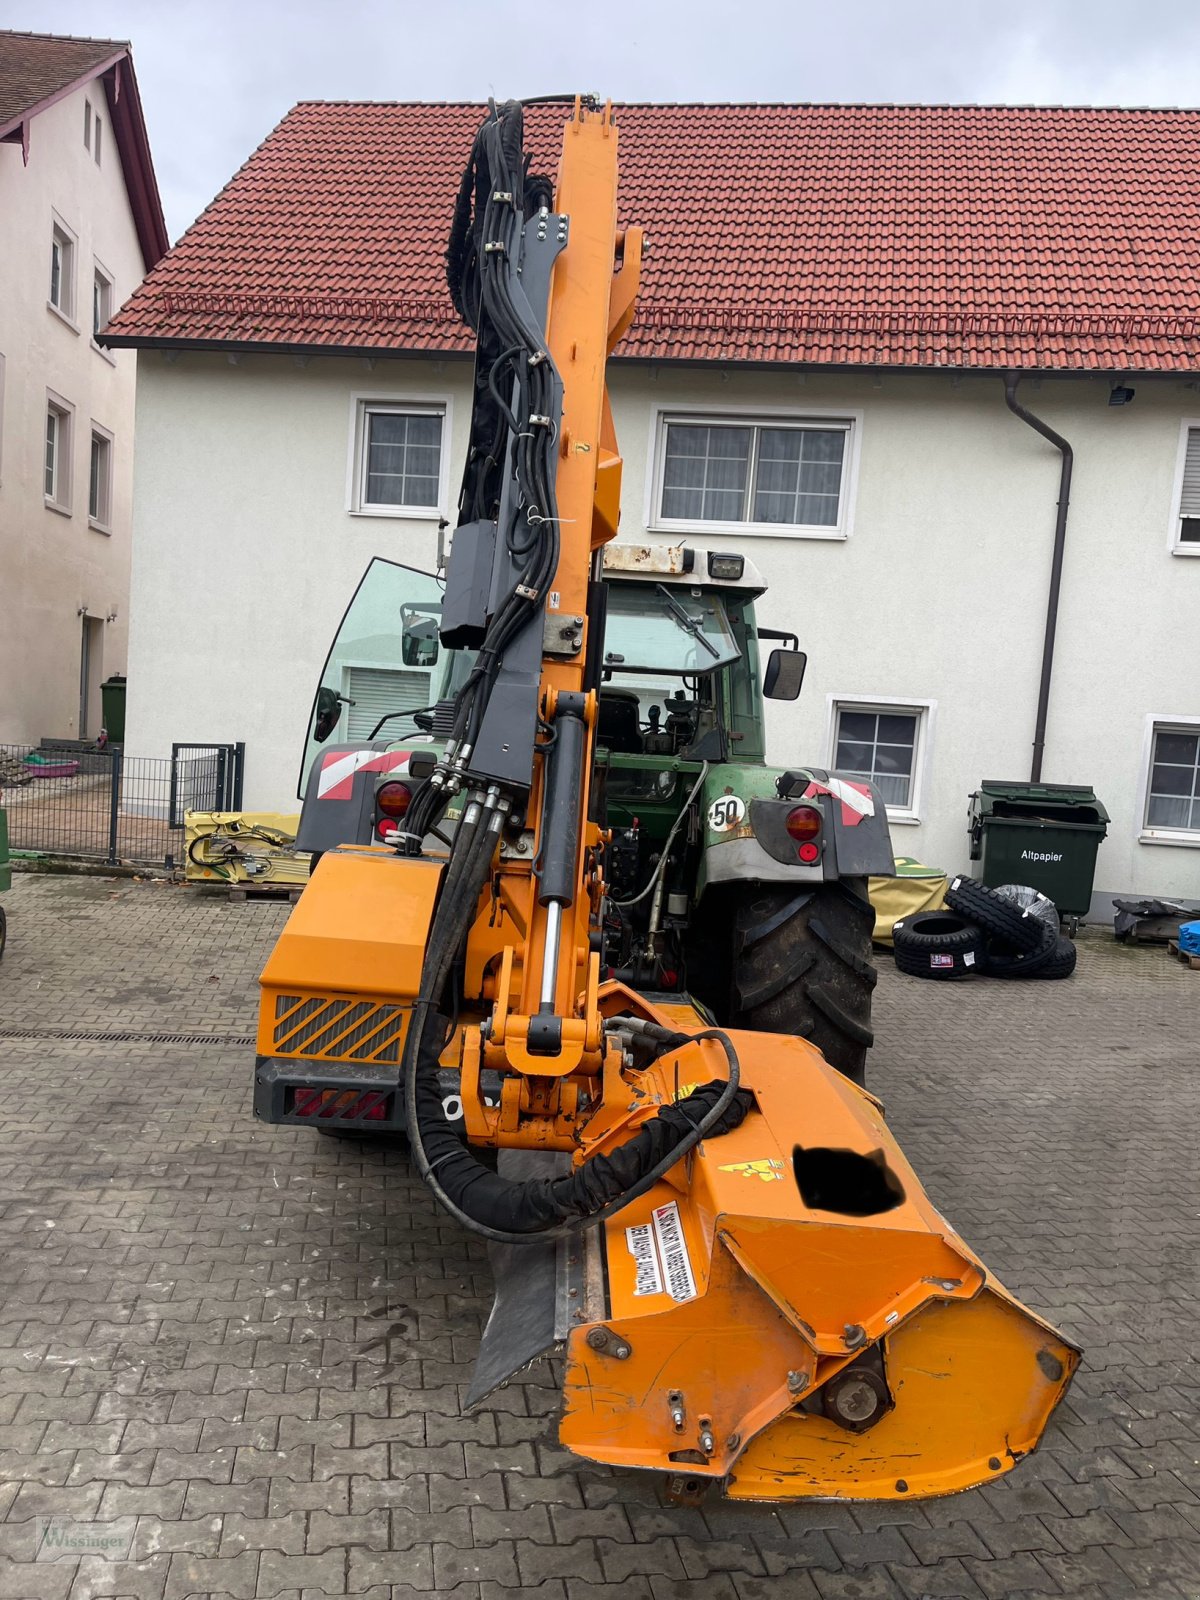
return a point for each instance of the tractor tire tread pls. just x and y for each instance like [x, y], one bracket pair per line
[802, 966]
[999, 918]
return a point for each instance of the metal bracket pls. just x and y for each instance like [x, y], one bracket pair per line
[562, 635]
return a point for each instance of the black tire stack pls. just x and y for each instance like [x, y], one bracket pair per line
[983, 931]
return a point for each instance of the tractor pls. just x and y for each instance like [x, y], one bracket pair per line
[740, 883]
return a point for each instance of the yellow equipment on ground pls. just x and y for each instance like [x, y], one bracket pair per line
[914, 888]
[749, 1284]
[242, 847]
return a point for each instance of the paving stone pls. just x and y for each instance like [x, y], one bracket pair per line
[139, 1579]
[190, 1575]
[42, 1580]
[156, 1536]
[400, 1568]
[539, 1562]
[278, 1572]
[655, 1556]
[284, 1533]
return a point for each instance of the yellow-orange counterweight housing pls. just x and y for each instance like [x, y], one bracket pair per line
[784, 1311]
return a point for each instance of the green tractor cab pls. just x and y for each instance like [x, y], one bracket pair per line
[741, 883]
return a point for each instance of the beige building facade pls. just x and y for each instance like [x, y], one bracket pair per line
[81, 226]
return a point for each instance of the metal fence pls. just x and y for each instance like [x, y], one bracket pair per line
[74, 801]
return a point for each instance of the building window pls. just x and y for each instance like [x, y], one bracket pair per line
[1173, 787]
[762, 475]
[62, 272]
[87, 124]
[97, 130]
[57, 473]
[885, 743]
[102, 290]
[100, 481]
[400, 458]
[1186, 536]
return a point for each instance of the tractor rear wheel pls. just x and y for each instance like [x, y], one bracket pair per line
[802, 965]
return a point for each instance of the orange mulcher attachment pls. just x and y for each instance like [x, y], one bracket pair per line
[748, 1281]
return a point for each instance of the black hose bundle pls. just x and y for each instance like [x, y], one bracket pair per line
[548, 1207]
[518, 397]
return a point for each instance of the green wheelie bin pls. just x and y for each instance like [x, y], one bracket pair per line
[1045, 835]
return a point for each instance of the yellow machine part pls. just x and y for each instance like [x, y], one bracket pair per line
[338, 985]
[794, 1248]
[284, 865]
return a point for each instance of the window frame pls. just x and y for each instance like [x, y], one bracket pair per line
[64, 309]
[925, 712]
[87, 124]
[101, 274]
[363, 404]
[748, 415]
[60, 501]
[1174, 541]
[101, 523]
[97, 129]
[1185, 838]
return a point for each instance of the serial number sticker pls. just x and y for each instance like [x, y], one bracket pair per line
[726, 812]
[640, 1243]
[677, 1264]
[941, 961]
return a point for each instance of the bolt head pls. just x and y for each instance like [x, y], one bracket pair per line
[597, 1338]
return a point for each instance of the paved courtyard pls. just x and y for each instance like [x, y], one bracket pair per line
[238, 1353]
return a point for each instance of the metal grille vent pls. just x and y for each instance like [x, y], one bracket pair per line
[338, 1030]
[108, 1036]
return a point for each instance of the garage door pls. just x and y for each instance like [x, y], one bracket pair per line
[378, 690]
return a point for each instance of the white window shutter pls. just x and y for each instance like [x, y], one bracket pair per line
[378, 690]
[1189, 499]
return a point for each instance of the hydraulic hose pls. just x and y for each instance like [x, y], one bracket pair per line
[552, 1208]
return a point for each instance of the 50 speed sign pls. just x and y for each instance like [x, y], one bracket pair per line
[725, 813]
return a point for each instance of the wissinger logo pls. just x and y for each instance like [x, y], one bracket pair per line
[1040, 855]
[59, 1540]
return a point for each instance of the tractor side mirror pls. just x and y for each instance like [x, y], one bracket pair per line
[329, 710]
[419, 639]
[784, 674]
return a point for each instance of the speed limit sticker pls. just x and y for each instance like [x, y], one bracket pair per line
[725, 813]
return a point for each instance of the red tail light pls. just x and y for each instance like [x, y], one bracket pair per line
[808, 853]
[393, 799]
[386, 829]
[803, 823]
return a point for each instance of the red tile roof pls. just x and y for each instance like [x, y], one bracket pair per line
[925, 236]
[36, 69]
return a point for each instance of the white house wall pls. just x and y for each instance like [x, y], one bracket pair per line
[246, 553]
[52, 565]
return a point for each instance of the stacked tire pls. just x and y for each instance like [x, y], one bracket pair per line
[1010, 932]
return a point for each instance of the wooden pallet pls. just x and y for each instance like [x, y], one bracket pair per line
[279, 892]
[1182, 955]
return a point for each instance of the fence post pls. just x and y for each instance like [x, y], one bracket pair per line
[239, 770]
[114, 805]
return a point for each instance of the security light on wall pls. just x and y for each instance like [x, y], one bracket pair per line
[1120, 394]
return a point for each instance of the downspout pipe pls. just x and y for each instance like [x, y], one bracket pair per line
[1011, 380]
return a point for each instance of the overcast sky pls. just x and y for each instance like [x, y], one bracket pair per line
[217, 75]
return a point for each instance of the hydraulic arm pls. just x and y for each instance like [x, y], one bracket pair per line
[748, 1281]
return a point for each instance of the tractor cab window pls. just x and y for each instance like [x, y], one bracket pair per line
[384, 663]
[665, 650]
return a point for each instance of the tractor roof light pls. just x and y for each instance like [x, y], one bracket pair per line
[726, 566]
